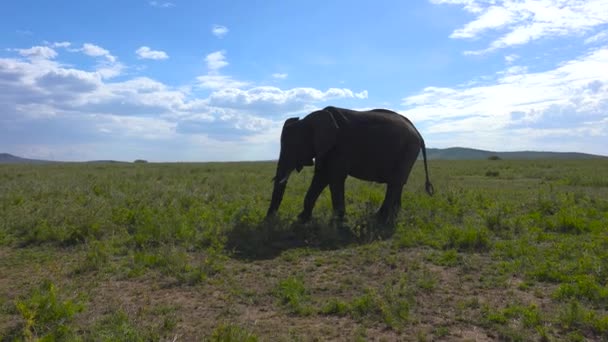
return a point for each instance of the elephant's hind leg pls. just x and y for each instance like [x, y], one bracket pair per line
[392, 201]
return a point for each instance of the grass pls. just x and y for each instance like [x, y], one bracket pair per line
[512, 250]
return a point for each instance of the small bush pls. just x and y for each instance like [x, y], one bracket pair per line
[447, 258]
[571, 221]
[97, 255]
[583, 287]
[365, 305]
[335, 307]
[45, 316]
[575, 316]
[391, 306]
[116, 327]
[470, 239]
[293, 294]
[231, 333]
[491, 173]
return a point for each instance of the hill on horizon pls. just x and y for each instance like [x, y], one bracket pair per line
[7, 158]
[464, 153]
[451, 153]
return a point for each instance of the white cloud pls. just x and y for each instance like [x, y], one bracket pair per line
[572, 97]
[145, 52]
[598, 38]
[273, 100]
[110, 70]
[132, 126]
[60, 44]
[216, 60]
[219, 82]
[97, 51]
[214, 80]
[43, 52]
[219, 31]
[492, 18]
[520, 22]
[161, 4]
[473, 6]
[510, 59]
[48, 103]
[279, 76]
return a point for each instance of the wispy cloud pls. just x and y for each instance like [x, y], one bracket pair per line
[97, 51]
[520, 22]
[44, 52]
[601, 37]
[145, 52]
[510, 59]
[273, 99]
[161, 4]
[219, 31]
[279, 76]
[60, 44]
[211, 81]
[216, 60]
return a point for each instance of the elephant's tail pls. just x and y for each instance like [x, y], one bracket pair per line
[429, 187]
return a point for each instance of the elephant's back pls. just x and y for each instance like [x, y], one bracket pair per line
[374, 117]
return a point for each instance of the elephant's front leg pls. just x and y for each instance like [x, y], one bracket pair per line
[319, 182]
[337, 198]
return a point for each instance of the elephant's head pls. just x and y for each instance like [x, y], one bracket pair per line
[301, 141]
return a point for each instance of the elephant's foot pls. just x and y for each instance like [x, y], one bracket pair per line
[304, 217]
[270, 216]
[338, 220]
[386, 217]
[381, 215]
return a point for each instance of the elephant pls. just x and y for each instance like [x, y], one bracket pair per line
[376, 145]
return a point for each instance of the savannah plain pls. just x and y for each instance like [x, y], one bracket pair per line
[504, 250]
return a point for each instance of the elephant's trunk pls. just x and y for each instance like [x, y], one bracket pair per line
[280, 183]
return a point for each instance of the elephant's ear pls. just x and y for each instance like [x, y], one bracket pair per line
[325, 132]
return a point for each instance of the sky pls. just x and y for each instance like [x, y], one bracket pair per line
[214, 80]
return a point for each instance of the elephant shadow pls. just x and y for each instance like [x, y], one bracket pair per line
[269, 238]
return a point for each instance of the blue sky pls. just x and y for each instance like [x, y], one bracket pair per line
[214, 80]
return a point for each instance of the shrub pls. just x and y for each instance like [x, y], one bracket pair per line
[335, 307]
[45, 316]
[116, 327]
[292, 293]
[491, 173]
[471, 239]
[583, 287]
[231, 333]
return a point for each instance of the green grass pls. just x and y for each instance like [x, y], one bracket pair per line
[514, 250]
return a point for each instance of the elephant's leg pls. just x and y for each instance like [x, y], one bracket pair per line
[395, 201]
[319, 182]
[392, 202]
[337, 197]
